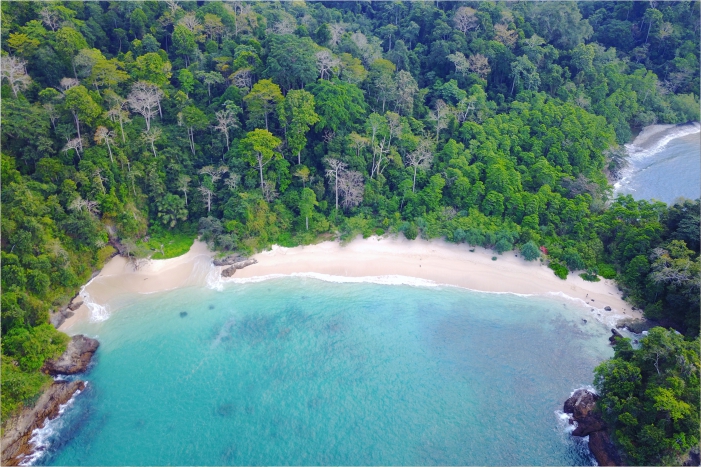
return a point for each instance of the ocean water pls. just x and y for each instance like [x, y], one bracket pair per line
[669, 168]
[298, 371]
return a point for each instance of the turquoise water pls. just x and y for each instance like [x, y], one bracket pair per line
[666, 171]
[296, 371]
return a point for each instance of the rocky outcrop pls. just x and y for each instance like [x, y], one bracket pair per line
[603, 449]
[15, 440]
[229, 260]
[615, 336]
[56, 318]
[582, 408]
[231, 270]
[75, 359]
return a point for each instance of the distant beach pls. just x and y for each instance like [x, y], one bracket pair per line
[383, 260]
[664, 163]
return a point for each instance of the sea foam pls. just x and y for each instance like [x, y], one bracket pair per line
[97, 312]
[42, 437]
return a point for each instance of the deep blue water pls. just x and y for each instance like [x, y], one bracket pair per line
[296, 371]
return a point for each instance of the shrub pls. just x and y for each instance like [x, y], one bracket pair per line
[503, 245]
[559, 269]
[411, 231]
[606, 271]
[590, 276]
[530, 251]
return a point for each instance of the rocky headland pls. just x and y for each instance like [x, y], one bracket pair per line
[581, 407]
[18, 430]
[75, 359]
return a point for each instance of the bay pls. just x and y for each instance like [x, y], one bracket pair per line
[297, 371]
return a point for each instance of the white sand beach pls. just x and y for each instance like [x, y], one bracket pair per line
[437, 261]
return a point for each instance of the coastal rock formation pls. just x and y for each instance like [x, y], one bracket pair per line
[602, 448]
[616, 335]
[229, 260]
[15, 441]
[228, 272]
[581, 405]
[56, 318]
[75, 359]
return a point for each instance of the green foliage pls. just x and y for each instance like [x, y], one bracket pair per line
[589, 276]
[559, 270]
[170, 243]
[526, 116]
[530, 251]
[606, 271]
[650, 397]
[30, 347]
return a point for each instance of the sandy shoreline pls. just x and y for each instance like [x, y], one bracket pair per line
[437, 261]
[653, 134]
[118, 277]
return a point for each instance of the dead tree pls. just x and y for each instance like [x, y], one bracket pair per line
[334, 171]
[421, 158]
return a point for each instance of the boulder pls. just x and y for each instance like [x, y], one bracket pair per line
[75, 359]
[229, 260]
[602, 449]
[56, 318]
[615, 336]
[607, 308]
[581, 405]
[230, 271]
[75, 304]
[18, 432]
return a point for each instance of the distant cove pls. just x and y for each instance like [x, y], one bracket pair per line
[665, 164]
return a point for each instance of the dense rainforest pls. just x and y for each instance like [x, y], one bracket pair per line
[253, 123]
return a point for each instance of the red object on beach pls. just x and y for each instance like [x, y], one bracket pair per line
[543, 250]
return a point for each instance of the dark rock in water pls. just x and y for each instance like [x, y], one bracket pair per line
[211, 307]
[228, 272]
[607, 308]
[18, 431]
[75, 359]
[229, 260]
[225, 410]
[183, 314]
[616, 335]
[603, 449]
[584, 321]
[582, 406]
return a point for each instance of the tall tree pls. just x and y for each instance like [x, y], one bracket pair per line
[258, 148]
[82, 106]
[262, 100]
[297, 115]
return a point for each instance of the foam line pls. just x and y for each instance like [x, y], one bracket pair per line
[41, 437]
[637, 153]
[98, 312]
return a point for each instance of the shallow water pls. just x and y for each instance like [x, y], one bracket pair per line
[668, 169]
[296, 371]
